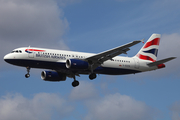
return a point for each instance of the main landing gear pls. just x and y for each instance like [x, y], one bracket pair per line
[75, 83]
[28, 70]
[92, 76]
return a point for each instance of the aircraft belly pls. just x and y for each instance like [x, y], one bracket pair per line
[61, 66]
[114, 71]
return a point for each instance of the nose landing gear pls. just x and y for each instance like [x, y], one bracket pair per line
[28, 70]
[27, 75]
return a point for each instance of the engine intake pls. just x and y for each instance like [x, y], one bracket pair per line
[52, 76]
[76, 64]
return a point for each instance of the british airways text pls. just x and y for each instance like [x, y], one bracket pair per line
[50, 56]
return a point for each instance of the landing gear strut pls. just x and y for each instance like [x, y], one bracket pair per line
[28, 70]
[92, 76]
[75, 83]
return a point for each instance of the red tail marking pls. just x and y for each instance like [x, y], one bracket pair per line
[153, 42]
[143, 57]
[161, 66]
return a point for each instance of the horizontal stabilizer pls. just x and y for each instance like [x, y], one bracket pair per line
[160, 61]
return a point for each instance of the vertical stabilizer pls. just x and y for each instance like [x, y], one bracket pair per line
[150, 49]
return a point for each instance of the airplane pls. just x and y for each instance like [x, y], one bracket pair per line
[62, 64]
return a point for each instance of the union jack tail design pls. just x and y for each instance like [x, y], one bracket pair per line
[150, 49]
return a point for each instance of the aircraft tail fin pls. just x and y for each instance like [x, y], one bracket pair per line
[150, 49]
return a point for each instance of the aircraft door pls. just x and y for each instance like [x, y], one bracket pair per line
[31, 53]
[136, 63]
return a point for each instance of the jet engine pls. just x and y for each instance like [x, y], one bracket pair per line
[52, 76]
[77, 64]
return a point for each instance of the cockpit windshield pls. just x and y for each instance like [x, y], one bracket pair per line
[16, 51]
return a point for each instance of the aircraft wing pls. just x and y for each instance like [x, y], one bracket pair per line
[98, 59]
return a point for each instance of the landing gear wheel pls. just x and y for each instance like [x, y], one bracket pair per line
[92, 76]
[27, 75]
[75, 83]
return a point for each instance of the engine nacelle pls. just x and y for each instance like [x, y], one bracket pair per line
[52, 76]
[76, 64]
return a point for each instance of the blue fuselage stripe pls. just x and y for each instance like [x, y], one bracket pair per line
[61, 65]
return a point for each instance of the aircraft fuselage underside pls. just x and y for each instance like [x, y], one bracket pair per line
[62, 66]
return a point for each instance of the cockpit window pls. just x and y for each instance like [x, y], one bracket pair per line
[16, 51]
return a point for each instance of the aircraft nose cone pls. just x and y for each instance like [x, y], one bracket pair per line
[7, 58]
[10, 58]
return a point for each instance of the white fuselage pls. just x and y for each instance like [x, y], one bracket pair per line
[56, 60]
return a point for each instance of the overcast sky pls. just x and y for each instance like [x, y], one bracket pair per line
[90, 26]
